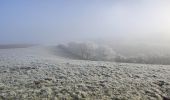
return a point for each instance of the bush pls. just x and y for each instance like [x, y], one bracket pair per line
[83, 50]
[104, 53]
[90, 51]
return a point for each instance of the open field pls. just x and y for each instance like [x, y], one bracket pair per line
[12, 46]
[37, 73]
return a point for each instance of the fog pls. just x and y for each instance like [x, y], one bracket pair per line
[51, 22]
[84, 50]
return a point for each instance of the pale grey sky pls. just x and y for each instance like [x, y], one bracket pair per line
[52, 21]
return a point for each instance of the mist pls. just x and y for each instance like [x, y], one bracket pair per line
[84, 49]
[51, 22]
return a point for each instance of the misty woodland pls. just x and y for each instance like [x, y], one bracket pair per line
[92, 51]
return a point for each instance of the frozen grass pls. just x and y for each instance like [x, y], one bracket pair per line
[35, 74]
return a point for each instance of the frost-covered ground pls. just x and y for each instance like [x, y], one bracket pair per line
[36, 74]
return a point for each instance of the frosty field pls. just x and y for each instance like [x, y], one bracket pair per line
[36, 73]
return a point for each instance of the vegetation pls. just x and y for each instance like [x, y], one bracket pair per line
[92, 51]
[89, 51]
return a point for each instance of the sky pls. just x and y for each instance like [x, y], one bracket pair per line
[54, 21]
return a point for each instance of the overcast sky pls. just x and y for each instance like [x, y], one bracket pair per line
[52, 21]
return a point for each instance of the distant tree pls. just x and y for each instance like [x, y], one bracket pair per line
[120, 58]
[104, 53]
[91, 51]
[84, 50]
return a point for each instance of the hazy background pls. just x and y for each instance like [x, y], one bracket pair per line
[54, 21]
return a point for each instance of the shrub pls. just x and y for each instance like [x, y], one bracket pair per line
[90, 51]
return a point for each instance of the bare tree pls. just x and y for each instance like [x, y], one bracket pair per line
[105, 53]
[91, 51]
[84, 50]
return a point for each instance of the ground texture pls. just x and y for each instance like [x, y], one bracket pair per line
[36, 74]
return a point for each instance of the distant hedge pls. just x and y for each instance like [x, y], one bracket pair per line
[92, 51]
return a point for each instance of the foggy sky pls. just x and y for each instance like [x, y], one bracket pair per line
[52, 21]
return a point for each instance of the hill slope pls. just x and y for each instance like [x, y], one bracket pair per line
[36, 73]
